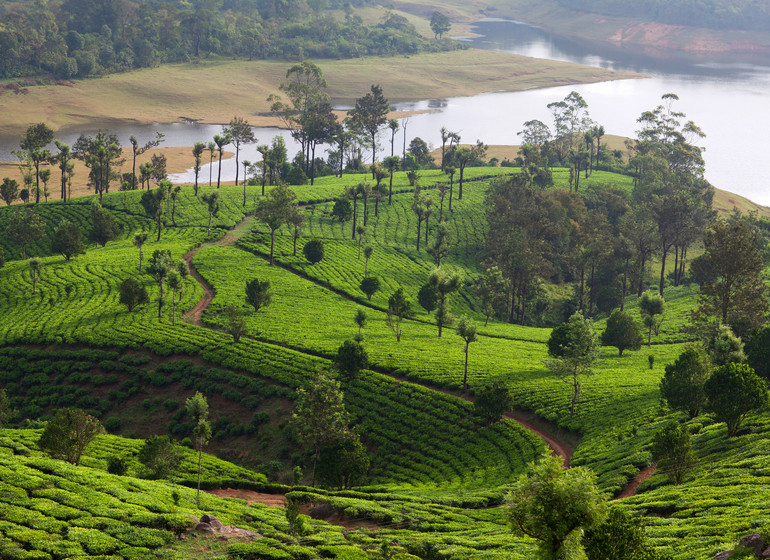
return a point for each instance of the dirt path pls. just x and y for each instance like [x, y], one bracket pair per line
[194, 315]
[561, 447]
[641, 476]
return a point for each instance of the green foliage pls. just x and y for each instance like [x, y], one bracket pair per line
[652, 306]
[621, 536]
[258, 293]
[342, 210]
[117, 465]
[399, 308]
[573, 350]
[104, 227]
[68, 240]
[161, 455]
[313, 251]
[683, 384]
[758, 352]
[132, 293]
[236, 324]
[492, 401]
[622, 332]
[554, 506]
[672, 449]
[68, 433]
[350, 359]
[24, 227]
[427, 297]
[370, 285]
[724, 347]
[343, 463]
[734, 390]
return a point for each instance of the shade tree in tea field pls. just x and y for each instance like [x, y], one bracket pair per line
[68, 433]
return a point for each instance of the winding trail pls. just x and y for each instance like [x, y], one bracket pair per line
[194, 315]
[641, 476]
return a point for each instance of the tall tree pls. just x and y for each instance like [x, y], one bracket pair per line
[101, 154]
[138, 149]
[159, 267]
[68, 434]
[467, 331]
[672, 450]
[554, 505]
[573, 350]
[221, 140]
[439, 24]
[104, 227]
[33, 143]
[275, 209]
[464, 156]
[622, 332]
[68, 240]
[197, 152]
[140, 238]
[258, 293]
[683, 383]
[9, 190]
[24, 227]
[732, 391]
[320, 417]
[399, 308]
[66, 166]
[651, 306]
[174, 282]
[731, 277]
[211, 200]
[370, 114]
[35, 267]
[240, 132]
[197, 408]
[152, 203]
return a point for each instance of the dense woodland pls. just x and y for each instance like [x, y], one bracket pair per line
[714, 14]
[75, 38]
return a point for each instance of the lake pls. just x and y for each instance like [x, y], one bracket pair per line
[728, 100]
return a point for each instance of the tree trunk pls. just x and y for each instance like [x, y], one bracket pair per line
[591, 296]
[312, 165]
[641, 274]
[663, 268]
[625, 278]
[390, 189]
[374, 154]
[419, 226]
[219, 168]
[160, 302]
[465, 375]
[355, 216]
[272, 244]
[575, 393]
[460, 186]
[198, 497]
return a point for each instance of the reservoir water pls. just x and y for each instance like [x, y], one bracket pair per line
[728, 100]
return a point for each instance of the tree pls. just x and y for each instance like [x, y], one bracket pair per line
[360, 320]
[211, 200]
[137, 150]
[730, 274]
[132, 293]
[152, 203]
[211, 147]
[320, 417]
[275, 209]
[104, 227]
[313, 251]
[174, 194]
[622, 332]
[101, 154]
[24, 227]
[221, 140]
[444, 284]
[295, 219]
[140, 238]
[342, 210]
[197, 152]
[35, 267]
[197, 408]
[159, 266]
[258, 293]
[724, 347]
[399, 308]
[370, 285]
[573, 349]
[464, 156]
[492, 401]
[491, 290]
[392, 164]
[368, 250]
[350, 359]
[426, 297]
[68, 433]
[620, 536]
[33, 143]
[6, 412]
[651, 307]
[554, 506]
[441, 244]
[683, 384]
[159, 165]
[9, 190]
[67, 240]
[341, 464]
[161, 455]
[370, 114]
[66, 166]
[467, 331]
[732, 391]
[672, 450]
[361, 231]
[758, 352]
[240, 132]
[439, 24]
[236, 324]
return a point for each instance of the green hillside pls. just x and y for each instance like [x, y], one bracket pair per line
[437, 470]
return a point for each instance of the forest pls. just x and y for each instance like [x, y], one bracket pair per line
[361, 359]
[713, 14]
[81, 38]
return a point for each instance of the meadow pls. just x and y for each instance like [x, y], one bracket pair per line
[437, 470]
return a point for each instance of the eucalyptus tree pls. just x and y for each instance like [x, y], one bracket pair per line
[392, 164]
[64, 160]
[211, 147]
[33, 143]
[240, 132]
[159, 267]
[101, 154]
[393, 127]
[140, 238]
[152, 203]
[370, 114]
[197, 408]
[274, 210]
[24, 227]
[221, 140]
[137, 150]
[9, 190]
[467, 331]
[174, 282]
[464, 156]
[197, 152]
[211, 200]
[35, 266]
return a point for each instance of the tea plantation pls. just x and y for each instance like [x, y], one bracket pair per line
[438, 472]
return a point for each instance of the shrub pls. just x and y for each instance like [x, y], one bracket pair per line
[314, 251]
